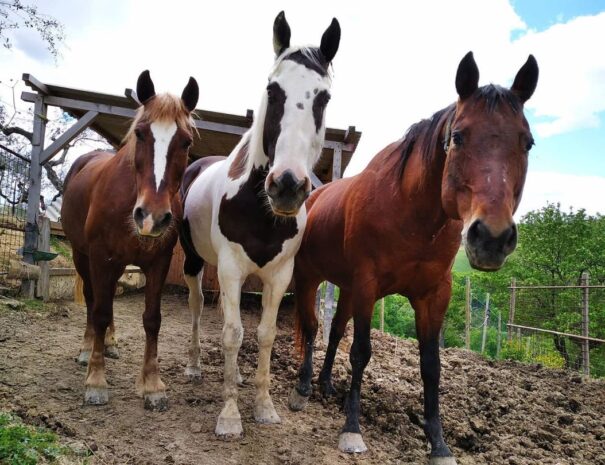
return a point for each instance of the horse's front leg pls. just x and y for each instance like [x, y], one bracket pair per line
[149, 385]
[430, 311]
[104, 278]
[274, 288]
[229, 423]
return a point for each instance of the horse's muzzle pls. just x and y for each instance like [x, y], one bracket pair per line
[486, 252]
[287, 193]
[149, 224]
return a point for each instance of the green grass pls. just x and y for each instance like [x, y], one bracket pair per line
[25, 445]
[461, 264]
[60, 246]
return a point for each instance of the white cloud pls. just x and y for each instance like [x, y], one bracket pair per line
[396, 64]
[569, 190]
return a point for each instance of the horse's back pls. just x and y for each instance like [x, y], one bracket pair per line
[195, 169]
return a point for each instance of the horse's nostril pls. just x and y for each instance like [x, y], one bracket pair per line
[139, 215]
[511, 240]
[475, 231]
[166, 219]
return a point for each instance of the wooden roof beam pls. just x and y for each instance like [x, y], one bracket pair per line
[36, 85]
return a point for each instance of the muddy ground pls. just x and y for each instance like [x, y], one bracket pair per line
[493, 412]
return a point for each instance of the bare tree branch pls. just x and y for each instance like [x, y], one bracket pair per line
[17, 130]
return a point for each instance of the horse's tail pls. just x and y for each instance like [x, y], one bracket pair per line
[79, 290]
[305, 326]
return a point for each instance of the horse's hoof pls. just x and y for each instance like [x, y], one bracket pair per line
[112, 352]
[229, 428]
[194, 374]
[266, 414]
[83, 358]
[327, 389]
[96, 395]
[442, 461]
[297, 402]
[156, 401]
[351, 443]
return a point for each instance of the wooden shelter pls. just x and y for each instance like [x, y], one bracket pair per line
[110, 116]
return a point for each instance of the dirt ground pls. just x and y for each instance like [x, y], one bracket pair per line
[493, 412]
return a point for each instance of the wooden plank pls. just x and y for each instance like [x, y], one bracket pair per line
[67, 103]
[42, 286]
[467, 307]
[558, 333]
[36, 85]
[56, 229]
[74, 131]
[578, 286]
[315, 180]
[132, 96]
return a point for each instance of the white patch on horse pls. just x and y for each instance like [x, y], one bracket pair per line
[162, 131]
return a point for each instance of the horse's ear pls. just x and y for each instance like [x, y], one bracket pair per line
[191, 94]
[526, 80]
[467, 77]
[145, 88]
[330, 41]
[281, 33]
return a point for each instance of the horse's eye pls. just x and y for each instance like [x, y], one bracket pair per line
[457, 139]
[530, 144]
[270, 95]
[187, 143]
[138, 134]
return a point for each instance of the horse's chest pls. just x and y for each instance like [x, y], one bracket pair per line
[246, 220]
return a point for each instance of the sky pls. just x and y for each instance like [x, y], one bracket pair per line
[396, 65]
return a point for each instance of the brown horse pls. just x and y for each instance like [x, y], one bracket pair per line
[396, 228]
[124, 208]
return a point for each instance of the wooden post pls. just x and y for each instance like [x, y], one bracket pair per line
[485, 322]
[382, 315]
[585, 324]
[328, 311]
[42, 287]
[28, 286]
[467, 304]
[511, 311]
[499, 346]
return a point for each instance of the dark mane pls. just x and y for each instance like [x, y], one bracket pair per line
[425, 134]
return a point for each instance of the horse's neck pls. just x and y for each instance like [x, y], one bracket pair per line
[419, 188]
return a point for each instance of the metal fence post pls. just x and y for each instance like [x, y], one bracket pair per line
[467, 304]
[585, 324]
[511, 312]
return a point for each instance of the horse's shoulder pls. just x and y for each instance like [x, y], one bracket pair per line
[83, 161]
[195, 169]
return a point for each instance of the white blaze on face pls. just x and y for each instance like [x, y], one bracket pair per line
[299, 144]
[162, 131]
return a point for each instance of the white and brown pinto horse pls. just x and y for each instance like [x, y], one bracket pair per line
[246, 214]
[122, 209]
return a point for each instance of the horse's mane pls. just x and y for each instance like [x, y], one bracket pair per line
[162, 107]
[424, 135]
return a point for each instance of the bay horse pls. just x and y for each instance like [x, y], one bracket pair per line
[245, 213]
[396, 228]
[124, 208]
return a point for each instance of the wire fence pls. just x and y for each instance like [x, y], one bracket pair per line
[14, 170]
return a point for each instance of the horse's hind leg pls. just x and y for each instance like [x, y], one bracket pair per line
[149, 384]
[273, 291]
[430, 311]
[193, 273]
[337, 330]
[306, 290]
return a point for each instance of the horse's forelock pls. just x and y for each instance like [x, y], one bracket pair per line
[162, 107]
[309, 54]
